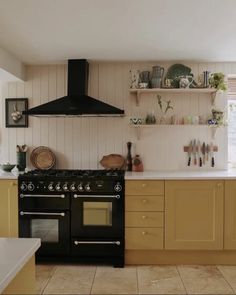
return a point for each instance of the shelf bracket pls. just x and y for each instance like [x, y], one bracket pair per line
[213, 131]
[138, 131]
[213, 97]
[138, 94]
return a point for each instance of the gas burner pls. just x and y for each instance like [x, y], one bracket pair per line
[68, 173]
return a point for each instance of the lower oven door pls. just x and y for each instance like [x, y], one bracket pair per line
[97, 216]
[52, 227]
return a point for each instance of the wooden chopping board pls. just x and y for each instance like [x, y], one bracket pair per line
[113, 161]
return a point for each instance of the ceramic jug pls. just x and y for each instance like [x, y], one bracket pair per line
[157, 74]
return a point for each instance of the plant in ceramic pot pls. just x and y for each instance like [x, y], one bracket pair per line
[217, 81]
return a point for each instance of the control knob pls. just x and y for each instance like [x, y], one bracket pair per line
[65, 187]
[72, 187]
[50, 186]
[80, 187]
[31, 186]
[118, 187]
[58, 186]
[87, 187]
[23, 186]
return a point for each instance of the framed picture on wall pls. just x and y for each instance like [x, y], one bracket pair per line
[14, 108]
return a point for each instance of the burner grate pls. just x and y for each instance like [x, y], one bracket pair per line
[64, 173]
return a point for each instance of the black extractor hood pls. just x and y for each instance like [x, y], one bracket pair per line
[77, 102]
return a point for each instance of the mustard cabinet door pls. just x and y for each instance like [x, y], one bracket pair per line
[230, 215]
[8, 208]
[194, 215]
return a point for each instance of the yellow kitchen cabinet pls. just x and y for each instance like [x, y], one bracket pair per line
[194, 215]
[144, 215]
[230, 215]
[8, 208]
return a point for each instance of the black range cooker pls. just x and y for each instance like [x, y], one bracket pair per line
[78, 214]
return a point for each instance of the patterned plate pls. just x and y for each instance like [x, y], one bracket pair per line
[42, 158]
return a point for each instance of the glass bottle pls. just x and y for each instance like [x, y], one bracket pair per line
[129, 157]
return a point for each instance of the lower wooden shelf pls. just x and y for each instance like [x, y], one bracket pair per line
[138, 127]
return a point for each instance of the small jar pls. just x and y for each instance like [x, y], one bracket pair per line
[137, 164]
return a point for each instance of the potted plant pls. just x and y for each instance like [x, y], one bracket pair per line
[216, 81]
[164, 106]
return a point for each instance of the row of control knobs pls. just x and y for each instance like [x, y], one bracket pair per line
[65, 187]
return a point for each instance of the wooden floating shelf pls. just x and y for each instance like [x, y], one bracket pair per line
[138, 127]
[138, 92]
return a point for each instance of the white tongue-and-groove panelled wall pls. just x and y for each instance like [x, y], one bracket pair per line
[80, 143]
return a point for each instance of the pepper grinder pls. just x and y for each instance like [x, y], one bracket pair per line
[129, 157]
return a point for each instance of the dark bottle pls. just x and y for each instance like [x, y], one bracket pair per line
[129, 157]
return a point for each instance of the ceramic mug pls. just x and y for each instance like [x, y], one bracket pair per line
[185, 81]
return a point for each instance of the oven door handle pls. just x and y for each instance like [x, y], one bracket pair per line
[97, 196]
[97, 243]
[43, 213]
[41, 196]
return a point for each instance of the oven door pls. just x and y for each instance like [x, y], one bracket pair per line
[52, 227]
[97, 216]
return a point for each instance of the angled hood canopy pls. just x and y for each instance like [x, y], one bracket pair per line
[77, 102]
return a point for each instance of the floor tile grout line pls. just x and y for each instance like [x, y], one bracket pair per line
[93, 280]
[186, 292]
[226, 279]
[137, 279]
[49, 278]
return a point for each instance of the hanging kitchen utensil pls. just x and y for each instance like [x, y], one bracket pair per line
[212, 155]
[199, 153]
[194, 152]
[207, 152]
[204, 153]
[190, 149]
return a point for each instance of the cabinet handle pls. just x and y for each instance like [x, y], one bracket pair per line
[144, 201]
[144, 233]
[219, 184]
[13, 184]
[144, 217]
[144, 185]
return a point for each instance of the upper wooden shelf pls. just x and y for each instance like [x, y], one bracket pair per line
[138, 92]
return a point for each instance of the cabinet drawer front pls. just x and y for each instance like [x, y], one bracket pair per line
[144, 203]
[144, 219]
[144, 187]
[144, 238]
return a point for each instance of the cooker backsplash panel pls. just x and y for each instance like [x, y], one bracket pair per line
[81, 142]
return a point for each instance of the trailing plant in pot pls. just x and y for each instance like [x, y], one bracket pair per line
[216, 81]
[164, 107]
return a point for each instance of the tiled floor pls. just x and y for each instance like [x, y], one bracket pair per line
[73, 279]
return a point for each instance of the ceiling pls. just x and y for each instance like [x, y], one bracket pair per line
[52, 31]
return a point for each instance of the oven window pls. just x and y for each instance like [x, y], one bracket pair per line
[97, 213]
[45, 229]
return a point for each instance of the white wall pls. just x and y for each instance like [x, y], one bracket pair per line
[12, 65]
[81, 142]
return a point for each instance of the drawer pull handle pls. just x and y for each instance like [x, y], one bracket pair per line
[144, 233]
[219, 184]
[144, 201]
[13, 183]
[144, 185]
[144, 217]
